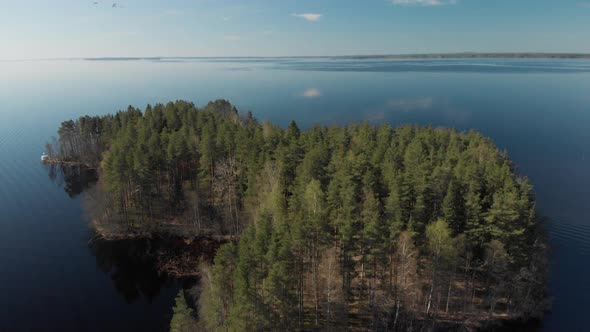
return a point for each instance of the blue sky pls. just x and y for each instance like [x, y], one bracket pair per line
[80, 28]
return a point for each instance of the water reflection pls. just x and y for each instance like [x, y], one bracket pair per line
[394, 107]
[141, 267]
[312, 93]
[73, 178]
[131, 265]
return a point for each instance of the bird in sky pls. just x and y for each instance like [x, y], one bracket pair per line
[114, 5]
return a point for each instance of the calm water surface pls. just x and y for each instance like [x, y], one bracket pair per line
[53, 278]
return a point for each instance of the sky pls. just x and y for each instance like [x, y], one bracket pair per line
[36, 29]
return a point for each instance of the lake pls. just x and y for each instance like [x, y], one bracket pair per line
[55, 277]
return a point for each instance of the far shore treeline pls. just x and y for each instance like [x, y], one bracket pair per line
[364, 226]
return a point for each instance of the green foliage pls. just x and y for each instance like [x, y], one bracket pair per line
[440, 242]
[183, 319]
[296, 194]
[454, 208]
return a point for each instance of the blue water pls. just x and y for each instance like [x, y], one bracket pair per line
[51, 278]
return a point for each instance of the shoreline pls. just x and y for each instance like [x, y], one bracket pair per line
[460, 55]
[68, 163]
[467, 56]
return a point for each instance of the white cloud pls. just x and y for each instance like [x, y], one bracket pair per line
[232, 37]
[308, 16]
[423, 2]
[311, 93]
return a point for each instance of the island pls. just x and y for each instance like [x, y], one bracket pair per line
[358, 227]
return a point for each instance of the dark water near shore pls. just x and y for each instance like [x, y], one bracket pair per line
[52, 278]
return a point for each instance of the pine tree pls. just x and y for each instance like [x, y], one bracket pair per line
[183, 319]
[384, 209]
[453, 208]
[440, 245]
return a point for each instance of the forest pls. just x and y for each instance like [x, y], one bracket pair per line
[358, 226]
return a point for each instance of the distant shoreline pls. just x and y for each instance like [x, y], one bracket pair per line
[471, 55]
[464, 55]
[373, 57]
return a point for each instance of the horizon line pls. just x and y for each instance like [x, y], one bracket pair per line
[354, 56]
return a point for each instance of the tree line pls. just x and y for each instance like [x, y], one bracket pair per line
[357, 225]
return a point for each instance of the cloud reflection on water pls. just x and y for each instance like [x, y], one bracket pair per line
[401, 105]
[311, 93]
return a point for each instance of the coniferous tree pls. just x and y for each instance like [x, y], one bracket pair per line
[393, 224]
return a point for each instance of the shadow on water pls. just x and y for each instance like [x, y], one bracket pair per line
[141, 267]
[132, 266]
[73, 178]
